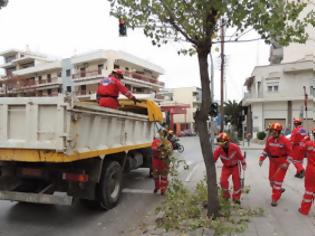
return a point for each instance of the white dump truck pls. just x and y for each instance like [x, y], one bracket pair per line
[54, 150]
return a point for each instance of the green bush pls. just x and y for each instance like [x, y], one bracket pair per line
[261, 135]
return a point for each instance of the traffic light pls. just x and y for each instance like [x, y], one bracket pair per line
[3, 3]
[214, 109]
[122, 27]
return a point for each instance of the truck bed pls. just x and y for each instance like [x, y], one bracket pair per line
[57, 129]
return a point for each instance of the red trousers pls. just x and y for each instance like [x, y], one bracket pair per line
[276, 176]
[160, 172]
[224, 182]
[309, 194]
[298, 155]
[109, 102]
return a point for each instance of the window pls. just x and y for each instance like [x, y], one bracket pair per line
[116, 66]
[68, 72]
[39, 79]
[83, 89]
[49, 92]
[48, 78]
[59, 90]
[100, 68]
[273, 87]
[59, 74]
[82, 72]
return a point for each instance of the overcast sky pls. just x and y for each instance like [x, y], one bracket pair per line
[62, 28]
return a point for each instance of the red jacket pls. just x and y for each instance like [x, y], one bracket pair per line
[297, 135]
[231, 158]
[156, 150]
[111, 87]
[309, 148]
[276, 147]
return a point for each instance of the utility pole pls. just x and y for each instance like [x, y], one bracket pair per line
[212, 129]
[222, 76]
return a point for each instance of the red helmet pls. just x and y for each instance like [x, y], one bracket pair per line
[276, 126]
[297, 120]
[223, 138]
[119, 71]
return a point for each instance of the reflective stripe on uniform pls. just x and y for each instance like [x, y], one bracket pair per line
[307, 200]
[277, 182]
[276, 145]
[228, 157]
[277, 187]
[237, 191]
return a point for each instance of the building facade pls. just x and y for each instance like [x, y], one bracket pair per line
[276, 93]
[27, 74]
[188, 97]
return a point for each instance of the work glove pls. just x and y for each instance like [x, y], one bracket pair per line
[244, 167]
[261, 162]
[135, 100]
[284, 166]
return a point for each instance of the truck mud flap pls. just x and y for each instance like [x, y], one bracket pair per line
[36, 198]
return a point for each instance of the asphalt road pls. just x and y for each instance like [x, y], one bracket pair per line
[137, 199]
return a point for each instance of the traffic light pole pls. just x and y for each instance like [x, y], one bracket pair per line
[222, 76]
[212, 131]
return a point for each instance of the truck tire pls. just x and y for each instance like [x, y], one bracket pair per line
[110, 185]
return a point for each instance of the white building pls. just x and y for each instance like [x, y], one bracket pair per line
[28, 74]
[190, 96]
[276, 92]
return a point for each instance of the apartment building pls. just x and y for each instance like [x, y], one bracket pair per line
[79, 74]
[185, 100]
[275, 93]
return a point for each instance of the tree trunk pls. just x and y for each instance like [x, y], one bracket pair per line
[201, 125]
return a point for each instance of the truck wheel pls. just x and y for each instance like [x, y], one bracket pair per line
[110, 185]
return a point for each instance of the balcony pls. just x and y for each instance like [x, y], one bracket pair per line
[87, 75]
[133, 76]
[16, 85]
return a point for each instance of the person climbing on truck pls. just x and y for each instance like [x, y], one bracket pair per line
[109, 88]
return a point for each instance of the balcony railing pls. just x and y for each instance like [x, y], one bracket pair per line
[146, 78]
[86, 74]
[97, 73]
[15, 84]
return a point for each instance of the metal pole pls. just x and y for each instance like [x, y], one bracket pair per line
[305, 106]
[212, 133]
[222, 75]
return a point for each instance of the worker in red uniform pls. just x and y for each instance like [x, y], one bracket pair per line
[109, 89]
[309, 181]
[231, 157]
[161, 151]
[277, 148]
[297, 140]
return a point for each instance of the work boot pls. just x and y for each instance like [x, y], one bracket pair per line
[238, 202]
[282, 190]
[302, 213]
[155, 190]
[274, 204]
[300, 175]
[162, 193]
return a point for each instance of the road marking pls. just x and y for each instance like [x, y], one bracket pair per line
[189, 163]
[132, 190]
[192, 172]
